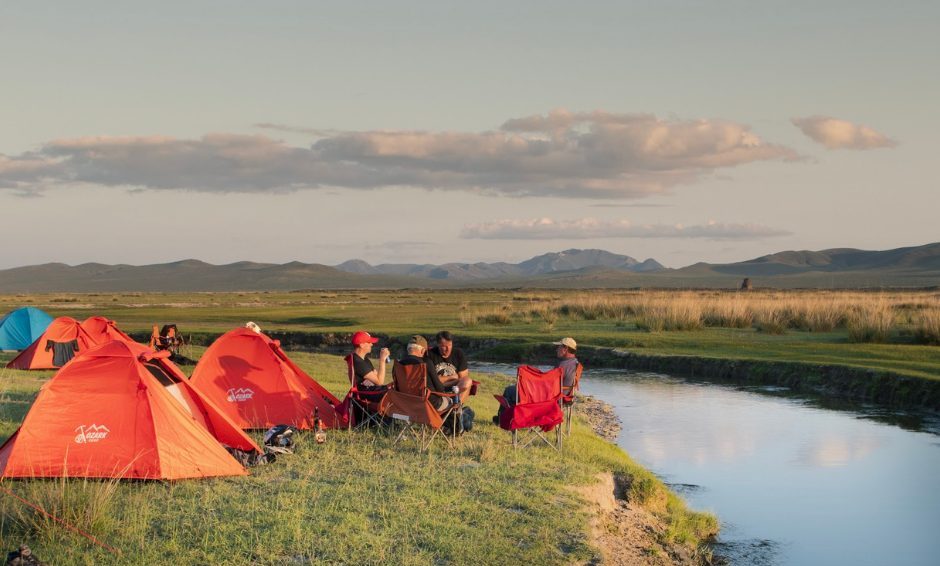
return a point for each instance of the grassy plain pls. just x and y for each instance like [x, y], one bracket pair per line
[357, 499]
[896, 331]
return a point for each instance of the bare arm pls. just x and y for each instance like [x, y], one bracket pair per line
[377, 377]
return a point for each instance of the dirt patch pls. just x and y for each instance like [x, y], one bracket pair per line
[599, 415]
[627, 534]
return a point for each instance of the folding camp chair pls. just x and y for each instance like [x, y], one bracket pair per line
[408, 403]
[362, 406]
[568, 394]
[537, 409]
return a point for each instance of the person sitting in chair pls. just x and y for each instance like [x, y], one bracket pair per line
[416, 349]
[367, 378]
[566, 351]
[450, 363]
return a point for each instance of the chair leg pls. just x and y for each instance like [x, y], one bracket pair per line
[559, 437]
[514, 439]
[568, 410]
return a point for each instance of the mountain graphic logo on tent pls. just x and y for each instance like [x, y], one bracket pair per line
[91, 433]
[239, 395]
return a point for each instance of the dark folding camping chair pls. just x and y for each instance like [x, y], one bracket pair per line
[409, 404]
[537, 408]
[167, 338]
[362, 406]
[568, 394]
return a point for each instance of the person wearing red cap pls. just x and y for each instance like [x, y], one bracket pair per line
[367, 378]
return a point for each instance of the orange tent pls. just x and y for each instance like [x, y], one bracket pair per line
[122, 411]
[92, 332]
[104, 330]
[61, 330]
[248, 375]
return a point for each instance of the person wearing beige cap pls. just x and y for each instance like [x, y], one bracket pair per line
[566, 352]
[567, 359]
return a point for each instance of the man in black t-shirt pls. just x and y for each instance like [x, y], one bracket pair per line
[450, 363]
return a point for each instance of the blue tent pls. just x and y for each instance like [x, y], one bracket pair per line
[22, 327]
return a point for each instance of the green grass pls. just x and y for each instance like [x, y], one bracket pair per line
[402, 313]
[356, 499]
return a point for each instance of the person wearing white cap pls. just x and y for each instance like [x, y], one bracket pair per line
[567, 359]
[566, 352]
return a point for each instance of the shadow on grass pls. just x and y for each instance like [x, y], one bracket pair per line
[320, 321]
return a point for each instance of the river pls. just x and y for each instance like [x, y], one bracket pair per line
[792, 483]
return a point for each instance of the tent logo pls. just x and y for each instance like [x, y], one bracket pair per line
[91, 433]
[239, 395]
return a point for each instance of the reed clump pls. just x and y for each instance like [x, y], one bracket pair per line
[657, 314]
[927, 327]
[871, 322]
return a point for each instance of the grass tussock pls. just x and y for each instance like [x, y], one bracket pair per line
[871, 322]
[927, 327]
[657, 314]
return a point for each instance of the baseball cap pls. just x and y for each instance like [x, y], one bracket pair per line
[362, 337]
[419, 340]
[567, 342]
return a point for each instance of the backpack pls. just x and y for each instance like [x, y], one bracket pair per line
[464, 424]
[280, 439]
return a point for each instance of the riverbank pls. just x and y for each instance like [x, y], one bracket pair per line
[627, 534]
[357, 499]
[887, 388]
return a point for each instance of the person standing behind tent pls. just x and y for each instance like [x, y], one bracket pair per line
[367, 378]
[450, 363]
[566, 352]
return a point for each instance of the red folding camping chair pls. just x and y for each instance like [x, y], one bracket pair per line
[409, 404]
[362, 406]
[567, 398]
[537, 409]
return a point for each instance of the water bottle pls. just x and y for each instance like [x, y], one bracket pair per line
[456, 391]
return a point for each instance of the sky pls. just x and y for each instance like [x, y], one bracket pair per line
[431, 132]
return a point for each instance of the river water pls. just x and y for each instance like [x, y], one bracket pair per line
[792, 483]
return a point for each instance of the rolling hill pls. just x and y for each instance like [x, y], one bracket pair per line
[917, 266]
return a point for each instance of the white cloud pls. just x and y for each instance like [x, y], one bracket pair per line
[842, 134]
[590, 228]
[564, 154]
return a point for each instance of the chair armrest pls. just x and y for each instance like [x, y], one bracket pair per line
[502, 401]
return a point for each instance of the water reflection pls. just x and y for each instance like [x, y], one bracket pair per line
[792, 482]
[836, 450]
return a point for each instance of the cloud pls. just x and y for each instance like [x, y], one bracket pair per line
[564, 154]
[842, 134]
[590, 228]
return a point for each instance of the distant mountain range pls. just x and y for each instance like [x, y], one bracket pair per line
[907, 267]
[568, 260]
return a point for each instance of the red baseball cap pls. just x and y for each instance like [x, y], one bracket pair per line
[362, 337]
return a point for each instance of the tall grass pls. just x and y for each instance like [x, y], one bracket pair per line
[927, 327]
[658, 313]
[871, 322]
